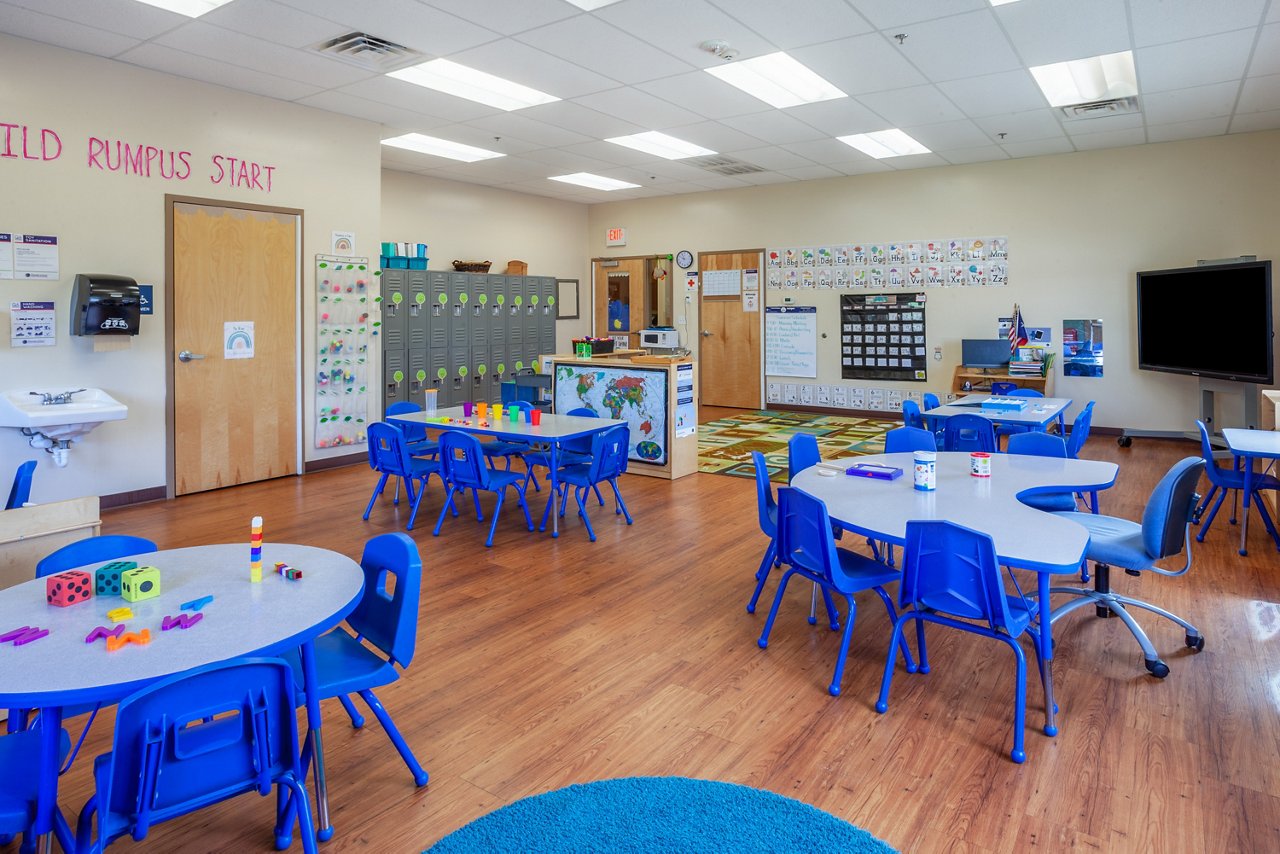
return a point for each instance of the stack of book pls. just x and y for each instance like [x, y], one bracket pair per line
[1028, 362]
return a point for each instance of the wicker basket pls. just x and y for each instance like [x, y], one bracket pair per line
[472, 266]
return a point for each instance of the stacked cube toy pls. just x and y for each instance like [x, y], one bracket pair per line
[139, 584]
[69, 588]
[255, 549]
[106, 579]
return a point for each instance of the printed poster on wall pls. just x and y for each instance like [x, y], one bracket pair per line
[32, 324]
[237, 339]
[6, 256]
[686, 409]
[35, 257]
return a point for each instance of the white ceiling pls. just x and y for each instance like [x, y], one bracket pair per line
[958, 82]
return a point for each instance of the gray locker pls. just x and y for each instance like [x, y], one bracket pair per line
[482, 289]
[437, 310]
[515, 309]
[480, 369]
[547, 346]
[547, 309]
[417, 361]
[459, 380]
[395, 379]
[497, 311]
[416, 317]
[393, 308]
[437, 376]
[532, 310]
[498, 372]
[459, 322]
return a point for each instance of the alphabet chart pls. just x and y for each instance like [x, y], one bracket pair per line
[348, 321]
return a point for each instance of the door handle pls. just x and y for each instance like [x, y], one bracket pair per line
[187, 356]
[706, 333]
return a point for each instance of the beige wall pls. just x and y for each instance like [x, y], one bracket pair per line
[109, 222]
[1079, 226]
[466, 222]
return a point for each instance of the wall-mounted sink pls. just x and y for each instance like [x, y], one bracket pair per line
[84, 410]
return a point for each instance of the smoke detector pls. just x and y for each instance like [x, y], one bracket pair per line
[720, 48]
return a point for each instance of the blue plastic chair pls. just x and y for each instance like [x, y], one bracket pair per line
[806, 546]
[968, 432]
[196, 739]
[20, 492]
[911, 416]
[767, 513]
[1080, 431]
[572, 452]
[92, 550]
[951, 571]
[802, 453]
[1000, 388]
[907, 439]
[415, 435]
[463, 459]
[1222, 481]
[1010, 429]
[19, 784]
[930, 401]
[1037, 444]
[386, 621]
[1165, 531]
[608, 461]
[507, 448]
[389, 456]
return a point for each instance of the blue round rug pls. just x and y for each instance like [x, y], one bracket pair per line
[643, 814]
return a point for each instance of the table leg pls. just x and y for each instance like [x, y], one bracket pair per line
[1248, 491]
[1045, 640]
[46, 825]
[324, 830]
[555, 467]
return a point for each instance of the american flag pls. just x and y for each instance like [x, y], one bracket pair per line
[1017, 331]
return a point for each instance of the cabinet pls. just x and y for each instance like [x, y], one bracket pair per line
[981, 381]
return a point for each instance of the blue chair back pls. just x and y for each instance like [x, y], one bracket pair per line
[1080, 431]
[911, 414]
[804, 534]
[1025, 392]
[1033, 443]
[522, 405]
[1000, 387]
[609, 453]
[802, 453]
[583, 444]
[412, 432]
[462, 460]
[766, 507]
[909, 439]
[388, 451]
[1210, 464]
[20, 492]
[930, 401]
[195, 739]
[389, 621]
[93, 550]
[1169, 509]
[968, 432]
[953, 569]
[583, 412]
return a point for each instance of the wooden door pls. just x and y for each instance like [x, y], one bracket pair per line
[621, 297]
[235, 420]
[729, 349]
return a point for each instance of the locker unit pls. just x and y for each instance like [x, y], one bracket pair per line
[480, 369]
[395, 386]
[437, 376]
[459, 375]
[459, 322]
[532, 311]
[394, 309]
[417, 361]
[477, 308]
[437, 310]
[515, 309]
[416, 299]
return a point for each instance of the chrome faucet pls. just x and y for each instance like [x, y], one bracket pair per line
[48, 399]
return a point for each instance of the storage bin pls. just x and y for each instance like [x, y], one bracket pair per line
[418, 263]
[395, 262]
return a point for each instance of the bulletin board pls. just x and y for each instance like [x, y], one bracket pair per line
[347, 324]
[882, 337]
[791, 340]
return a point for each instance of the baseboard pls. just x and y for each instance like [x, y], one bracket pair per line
[334, 462]
[136, 496]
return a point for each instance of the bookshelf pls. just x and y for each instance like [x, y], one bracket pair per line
[981, 381]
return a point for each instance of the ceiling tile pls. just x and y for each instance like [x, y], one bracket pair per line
[825, 152]
[1194, 62]
[1266, 55]
[212, 42]
[839, 117]
[703, 94]
[504, 16]
[1057, 32]
[918, 105]
[860, 64]
[862, 167]
[773, 157]
[1260, 94]
[1109, 139]
[62, 33]
[605, 49]
[1159, 21]
[945, 136]
[994, 94]
[274, 22]
[122, 17]
[1104, 124]
[639, 107]
[564, 160]
[890, 13]
[823, 20]
[170, 61]
[389, 90]
[523, 127]
[980, 154]
[762, 178]
[373, 111]
[1249, 122]
[651, 22]
[404, 21]
[811, 173]
[579, 119]
[1023, 127]
[774, 127]
[481, 138]
[715, 135]
[1182, 105]
[915, 161]
[959, 46]
[532, 67]
[1187, 130]
[1037, 147]
[614, 155]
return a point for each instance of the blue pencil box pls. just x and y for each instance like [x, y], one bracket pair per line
[872, 470]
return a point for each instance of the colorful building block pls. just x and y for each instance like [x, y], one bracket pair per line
[139, 584]
[69, 588]
[182, 621]
[119, 615]
[104, 632]
[293, 574]
[195, 604]
[24, 635]
[106, 579]
[141, 638]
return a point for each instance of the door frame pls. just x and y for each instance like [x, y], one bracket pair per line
[170, 404]
[760, 303]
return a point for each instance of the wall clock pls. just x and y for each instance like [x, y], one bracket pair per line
[684, 258]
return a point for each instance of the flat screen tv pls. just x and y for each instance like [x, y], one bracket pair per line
[1210, 321]
[984, 352]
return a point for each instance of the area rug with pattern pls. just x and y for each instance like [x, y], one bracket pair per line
[659, 814]
[725, 445]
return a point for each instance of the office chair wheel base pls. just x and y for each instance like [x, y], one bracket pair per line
[882, 707]
[1018, 756]
[1196, 642]
[1158, 668]
[1124, 441]
[1103, 611]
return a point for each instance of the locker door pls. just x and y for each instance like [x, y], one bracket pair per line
[459, 376]
[547, 308]
[437, 310]
[395, 380]
[497, 311]
[418, 379]
[394, 309]
[416, 319]
[437, 376]
[481, 293]
[499, 371]
[480, 368]
[459, 322]
[532, 311]
[515, 310]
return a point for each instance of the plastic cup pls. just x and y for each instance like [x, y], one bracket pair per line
[514, 411]
[429, 402]
[535, 416]
[528, 416]
[482, 409]
[980, 464]
[497, 412]
[466, 409]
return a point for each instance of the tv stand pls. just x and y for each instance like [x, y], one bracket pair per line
[1208, 388]
[980, 380]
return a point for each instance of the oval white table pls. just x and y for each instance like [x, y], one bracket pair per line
[1024, 537]
[244, 618]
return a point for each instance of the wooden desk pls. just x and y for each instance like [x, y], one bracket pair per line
[981, 381]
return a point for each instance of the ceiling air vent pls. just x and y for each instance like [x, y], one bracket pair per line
[722, 165]
[369, 52]
[1098, 109]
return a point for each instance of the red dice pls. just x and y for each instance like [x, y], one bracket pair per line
[69, 588]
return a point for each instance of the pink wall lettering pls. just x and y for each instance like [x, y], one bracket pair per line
[241, 173]
[113, 155]
[21, 141]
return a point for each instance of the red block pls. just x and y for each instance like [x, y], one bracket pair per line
[69, 588]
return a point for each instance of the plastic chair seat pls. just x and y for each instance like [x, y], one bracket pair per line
[343, 666]
[19, 763]
[503, 448]
[855, 572]
[1234, 479]
[1021, 612]
[1113, 541]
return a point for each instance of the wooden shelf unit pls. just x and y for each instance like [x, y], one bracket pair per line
[981, 381]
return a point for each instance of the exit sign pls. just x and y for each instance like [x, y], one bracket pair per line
[615, 237]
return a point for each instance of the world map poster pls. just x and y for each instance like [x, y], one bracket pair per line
[635, 395]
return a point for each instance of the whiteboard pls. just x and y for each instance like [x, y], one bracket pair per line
[791, 341]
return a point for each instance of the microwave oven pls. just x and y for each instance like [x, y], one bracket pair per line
[659, 338]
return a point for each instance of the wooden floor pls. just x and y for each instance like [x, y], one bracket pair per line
[545, 662]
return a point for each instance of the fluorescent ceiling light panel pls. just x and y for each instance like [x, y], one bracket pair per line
[441, 147]
[591, 5]
[595, 182]
[662, 145]
[777, 79]
[454, 79]
[884, 143]
[1082, 81]
[1002, 2]
[190, 8]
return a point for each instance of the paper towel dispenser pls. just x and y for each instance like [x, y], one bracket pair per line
[103, 304]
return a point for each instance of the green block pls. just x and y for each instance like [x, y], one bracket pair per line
[139, 584]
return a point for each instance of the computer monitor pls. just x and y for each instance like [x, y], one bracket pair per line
[984, 352]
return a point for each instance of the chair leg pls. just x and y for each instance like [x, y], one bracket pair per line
[617, 494]
[420, 776]
[763, 643]
[475, 499]
[306, 829]
[497, 511]
[1018, 754]
[415, 500]
[377, 490]
[893, 618]
[1266, 517]
[524, 505]
[600, 498]
[921, 649]
[834, 688]
[357, 719]
[833, 618]
[762, 575]
[1204, 502]
[580, 495]
[891, 661]
[444, 511]
[1207, 523]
